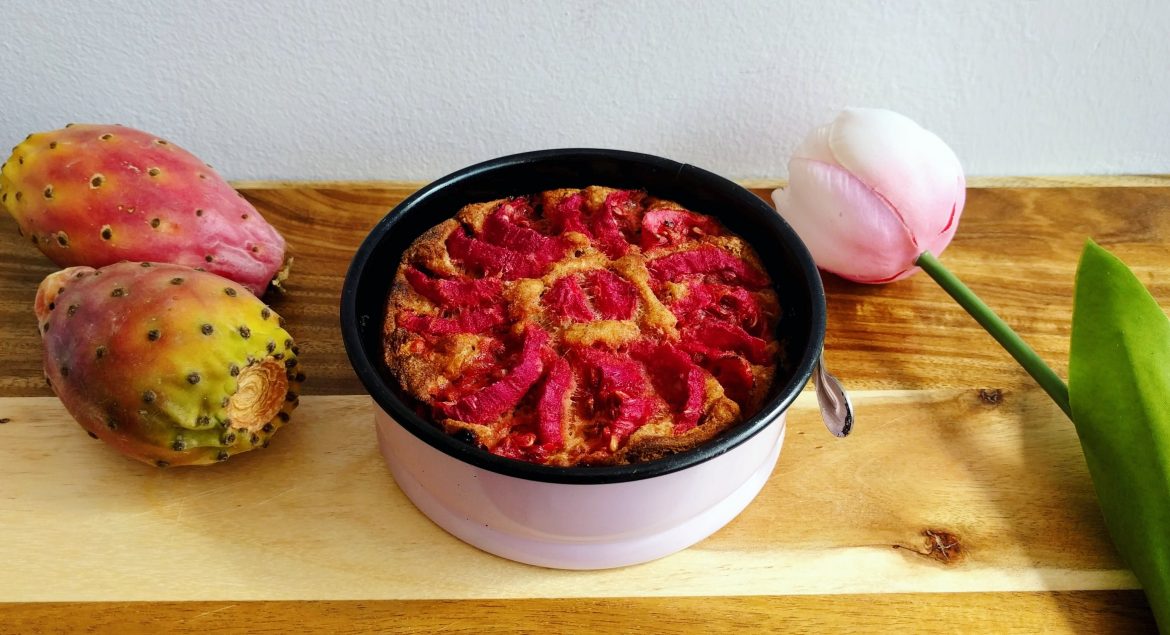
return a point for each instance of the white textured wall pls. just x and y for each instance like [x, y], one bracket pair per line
[382, 90]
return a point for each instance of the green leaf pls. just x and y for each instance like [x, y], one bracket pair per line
[1119, 385]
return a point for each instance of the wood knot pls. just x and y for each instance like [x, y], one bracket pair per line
[938, 545]
[991, 396]
[943, 545]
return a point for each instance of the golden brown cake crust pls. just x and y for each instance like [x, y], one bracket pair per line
[582, 327]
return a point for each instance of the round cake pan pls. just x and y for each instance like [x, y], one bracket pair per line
[581, 517]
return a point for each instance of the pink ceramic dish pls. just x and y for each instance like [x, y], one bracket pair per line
[581, 517]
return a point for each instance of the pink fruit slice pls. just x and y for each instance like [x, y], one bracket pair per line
[712, 338]
[610, 373]
[696, 382]
[734, 305]
[568, 215]
[680, 382]
[454, 293]
[668, 227]
[496, 399]
[628, 415]
[501, 229]
[709, 261]
[485, 259]
[566, 299]
[735, 375]
[625, 207]
[737, 306]
[609, 228]
[607, 235]
[468, 321]
[613, 296]
[618, 388]
[551, 405]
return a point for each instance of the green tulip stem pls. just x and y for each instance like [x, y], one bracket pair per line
[1007, 338]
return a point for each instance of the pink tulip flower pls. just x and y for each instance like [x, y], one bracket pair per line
[876, 197]
[871, 191]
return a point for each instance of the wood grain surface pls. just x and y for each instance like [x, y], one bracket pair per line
[1006, 613]
[986, 503]
[960, 504]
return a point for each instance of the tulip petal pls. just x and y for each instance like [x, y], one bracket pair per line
[815, 146]
[849, 229]
[939, 242]
[909, 166]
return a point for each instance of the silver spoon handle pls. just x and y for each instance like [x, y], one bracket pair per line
[836, 409]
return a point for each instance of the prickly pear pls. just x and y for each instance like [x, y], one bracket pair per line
[168, 364]
[94, 195]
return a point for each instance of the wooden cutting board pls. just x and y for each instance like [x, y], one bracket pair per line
[940, 491]
[961, 501]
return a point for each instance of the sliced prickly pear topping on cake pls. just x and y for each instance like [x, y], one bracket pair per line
[503, 229]
[565, 298]
[676, 377]
[467, 321]
[583, 327]
[566, 213]
[554, 401]
[666, 227]
[454, 293]
[709, 261]
[711, 338]
[481, 258]
[607, 232]
[734, 373]
[615, 392]
[613, 296]
[726, 303]
[494, 400]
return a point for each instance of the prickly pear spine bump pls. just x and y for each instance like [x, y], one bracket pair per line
[159, 369]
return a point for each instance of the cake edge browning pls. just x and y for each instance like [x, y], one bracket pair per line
[404, 365]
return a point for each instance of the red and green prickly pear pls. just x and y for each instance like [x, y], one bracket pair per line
[95, 195]
[168, 364]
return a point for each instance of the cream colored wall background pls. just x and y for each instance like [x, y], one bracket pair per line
[387, 90]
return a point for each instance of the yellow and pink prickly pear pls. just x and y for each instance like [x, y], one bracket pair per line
[168, 364]
[95, 195]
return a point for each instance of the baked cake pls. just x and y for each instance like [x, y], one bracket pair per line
[582, 327]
